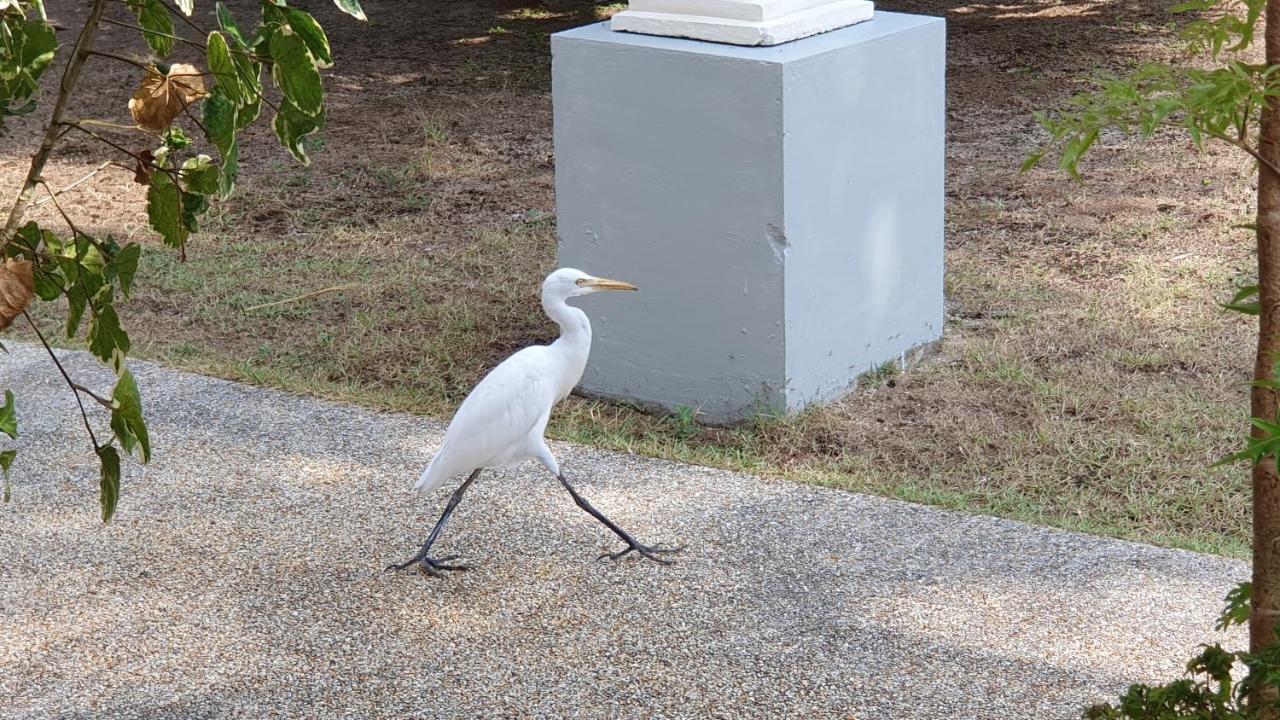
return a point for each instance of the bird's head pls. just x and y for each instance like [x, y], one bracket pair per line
[568, 282]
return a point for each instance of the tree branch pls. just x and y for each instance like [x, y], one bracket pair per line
[1249, 149]
[84, 179]
[70, 383]
[179, 38]
[70, 76]
[121, 58]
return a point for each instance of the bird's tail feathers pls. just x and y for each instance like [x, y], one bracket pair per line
[432, 477]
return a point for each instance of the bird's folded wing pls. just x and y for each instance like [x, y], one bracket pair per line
[502, 410]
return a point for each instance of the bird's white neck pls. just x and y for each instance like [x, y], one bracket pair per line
[575, 329]
[574, 343]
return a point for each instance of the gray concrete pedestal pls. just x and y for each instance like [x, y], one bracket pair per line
[781, 209]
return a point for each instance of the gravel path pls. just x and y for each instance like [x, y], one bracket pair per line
[242, 577]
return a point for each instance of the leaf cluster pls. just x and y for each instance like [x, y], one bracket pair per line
[1210, 690]
[1222, 103]
[27, 47]
[285, 49]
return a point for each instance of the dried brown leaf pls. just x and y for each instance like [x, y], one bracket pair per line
[17, 287]
[161, 98]
[143, 171]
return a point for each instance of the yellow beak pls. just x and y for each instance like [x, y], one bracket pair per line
[607, 284]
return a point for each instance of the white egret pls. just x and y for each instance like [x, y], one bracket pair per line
[501, 422]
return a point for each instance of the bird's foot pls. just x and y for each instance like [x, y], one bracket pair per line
[652, 552]
[434, 567]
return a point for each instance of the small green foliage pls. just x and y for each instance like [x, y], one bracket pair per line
[109, 480]
[126, 416]
[200, 175]
[294, 71]
[1223, 103]
[224, 69]
[1210, 691]
[157, 25]
[1238, 606]
[9, 416]
[312, 35]
[351, 7]
[228, 24]
[27, 47]
[180, 171]
[164, 210]
[6, 462]
[684, 421]
[107, 340]
[1216, 33]
[292, 127]
[1244, 301]
[124, 266]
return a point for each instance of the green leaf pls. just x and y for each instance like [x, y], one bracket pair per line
[294, 72]
[6, 461]
[164, 210]
[248, 114]
[39, 45]
[292, 127]
[49, 283]
[223, 68]
[175, 139]
[228, 23]
[156, 23]
[186, 6]
[126, 417]
[1238, 301]
[109, 486]
[351, 7]
[107, 340]
[200, 175]
[124, 266]
[1239, 605]
[76, 301]
[312, 35]
[220, 129]
[193, 206]
[9, 416]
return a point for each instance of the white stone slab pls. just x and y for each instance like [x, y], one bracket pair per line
[741, 22]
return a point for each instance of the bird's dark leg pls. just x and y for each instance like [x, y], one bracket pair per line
[650, 552]
[433, 566]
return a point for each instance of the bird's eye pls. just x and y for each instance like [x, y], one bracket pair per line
[580, 281]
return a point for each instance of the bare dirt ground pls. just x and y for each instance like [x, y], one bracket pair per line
[1087, 378]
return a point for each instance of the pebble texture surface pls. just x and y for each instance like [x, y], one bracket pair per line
[242, 578]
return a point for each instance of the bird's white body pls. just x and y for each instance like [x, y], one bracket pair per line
[502, 421]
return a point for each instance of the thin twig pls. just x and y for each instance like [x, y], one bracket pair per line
[52, 133]
[70, 383]
[179, 38]
[171, 172]
[121, 58]
[75, 231]
[108, 404]
[73, 185]
[94, 122]
[304, 296]
[1249, 149]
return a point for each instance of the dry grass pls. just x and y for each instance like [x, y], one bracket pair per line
[1087, 378]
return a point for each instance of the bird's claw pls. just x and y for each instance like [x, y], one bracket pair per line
[649, 552]
[430, 566]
